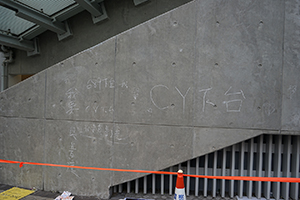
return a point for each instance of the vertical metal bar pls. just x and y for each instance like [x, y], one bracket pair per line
[259, 154]
[268, 164]
[214, 189]
[205, 173]
[136, 185]
[295, 167]
[197, 179]
[232, 171]
[286, 165]
[115, 189]
[188, 178]
[145, 184]
[153, 183]
[242, 159]
[277, 166]
[171, 182]
[250, 170]
[128, 187]
[162, 184]
[120, 188]
[223, 173]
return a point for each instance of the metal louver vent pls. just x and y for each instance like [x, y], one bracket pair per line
[262, 156]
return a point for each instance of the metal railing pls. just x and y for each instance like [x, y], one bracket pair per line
[262, 156]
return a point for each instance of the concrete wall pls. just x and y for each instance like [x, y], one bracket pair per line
[199, 78]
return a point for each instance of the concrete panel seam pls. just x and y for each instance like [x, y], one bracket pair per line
[282, 65]
[44, 139]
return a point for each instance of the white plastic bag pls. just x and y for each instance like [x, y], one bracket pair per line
[65, 196]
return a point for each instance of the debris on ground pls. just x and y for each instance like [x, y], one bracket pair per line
[65, 196]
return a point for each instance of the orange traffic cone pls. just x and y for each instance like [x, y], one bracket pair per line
[179, 190]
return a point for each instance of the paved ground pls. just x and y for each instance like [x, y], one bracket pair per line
[164, 197]
[44, 195]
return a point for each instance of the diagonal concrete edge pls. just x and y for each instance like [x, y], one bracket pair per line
[207, 140]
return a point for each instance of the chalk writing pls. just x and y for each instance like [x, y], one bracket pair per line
[98, 83]
[234, 105]
[269, 108]
[204, 101]
[71, 104]
[135, 93]
[73, 171]
[107, 109]
[118, 135]
[72, 149]
[111, 110]
[151, 96]
[90, 128]
[93, 107]
[234, 93]
[295, 119]
[93, 131]
[76, 100]
[183, 97]
[107, 133]
[72, 93]
[291, 91]
[167, 106]
[124, 84]
[72, 133]
[93, 84]
[96, 131]
[211, 103]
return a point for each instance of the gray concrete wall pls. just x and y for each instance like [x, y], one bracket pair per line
[291, 68]
[201, 77]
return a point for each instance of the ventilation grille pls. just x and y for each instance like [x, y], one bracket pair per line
[262, 156]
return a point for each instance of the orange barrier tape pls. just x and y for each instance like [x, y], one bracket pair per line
[80, 167]
[249, 178]
[239, 178]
